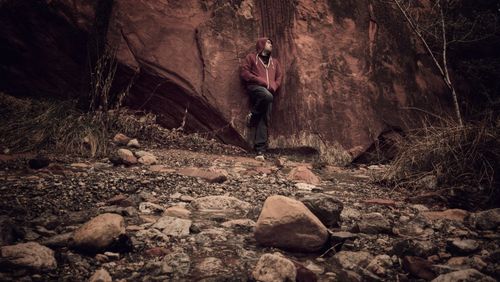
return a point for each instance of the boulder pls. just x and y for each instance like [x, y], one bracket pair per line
[31, 255]
[288, 224]
[99, 232]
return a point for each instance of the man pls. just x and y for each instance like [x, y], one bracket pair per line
[261, 75]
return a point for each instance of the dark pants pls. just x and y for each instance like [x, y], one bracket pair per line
[262, 101]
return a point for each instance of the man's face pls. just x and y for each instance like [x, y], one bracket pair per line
[269, 46]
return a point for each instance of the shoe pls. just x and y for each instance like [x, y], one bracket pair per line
[259, 154]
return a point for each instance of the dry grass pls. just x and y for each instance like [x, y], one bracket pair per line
[30, 125]
[464, 160]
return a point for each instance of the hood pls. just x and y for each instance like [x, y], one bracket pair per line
[261, 43]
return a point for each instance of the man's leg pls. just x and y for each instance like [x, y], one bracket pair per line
[262, 104]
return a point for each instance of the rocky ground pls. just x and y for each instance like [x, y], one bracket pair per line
[156, 214]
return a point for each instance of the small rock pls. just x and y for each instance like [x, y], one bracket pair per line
[462, 247]
[349, 213]
[303, 174]
[141, 153]
[176, 196]
[451, 214]
[133, 143]
[120, 200]
[304, 273]
[239, 223]
[428, 182]
[112, 255]
[150, 208]
[156, 252]
[29, 255]
[380, 264]
[420, 208]
[173, 226]
[486, 220]
[381, 202]
[186, 198]
[211, 175]
[280, 162]
[209, 267]
[352, 260]
[327, 208]
[127, 157]
[121, 139]
[176, 262]
[274, 268]
[304, 186]
[466, 275]
[58, 241]
[99, 233]
[178, 211]
[374, 223]
[316, 269]
[148, 160]
[101, 275]
[408, 247]
[341, 236]
[287, 223]
[418, 267]
[8, 231]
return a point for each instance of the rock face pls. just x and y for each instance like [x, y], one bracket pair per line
[99, 232]
[351, 62]
[286, 223]
[29, 255]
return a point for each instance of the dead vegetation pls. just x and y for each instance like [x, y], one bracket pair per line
[460, 163]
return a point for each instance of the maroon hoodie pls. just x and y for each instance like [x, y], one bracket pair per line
[254, 71]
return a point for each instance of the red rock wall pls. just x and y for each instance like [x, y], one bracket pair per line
[351, 70]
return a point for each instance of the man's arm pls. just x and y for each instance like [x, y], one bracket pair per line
[247, 75]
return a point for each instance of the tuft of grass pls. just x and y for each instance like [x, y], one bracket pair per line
[463, 159]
